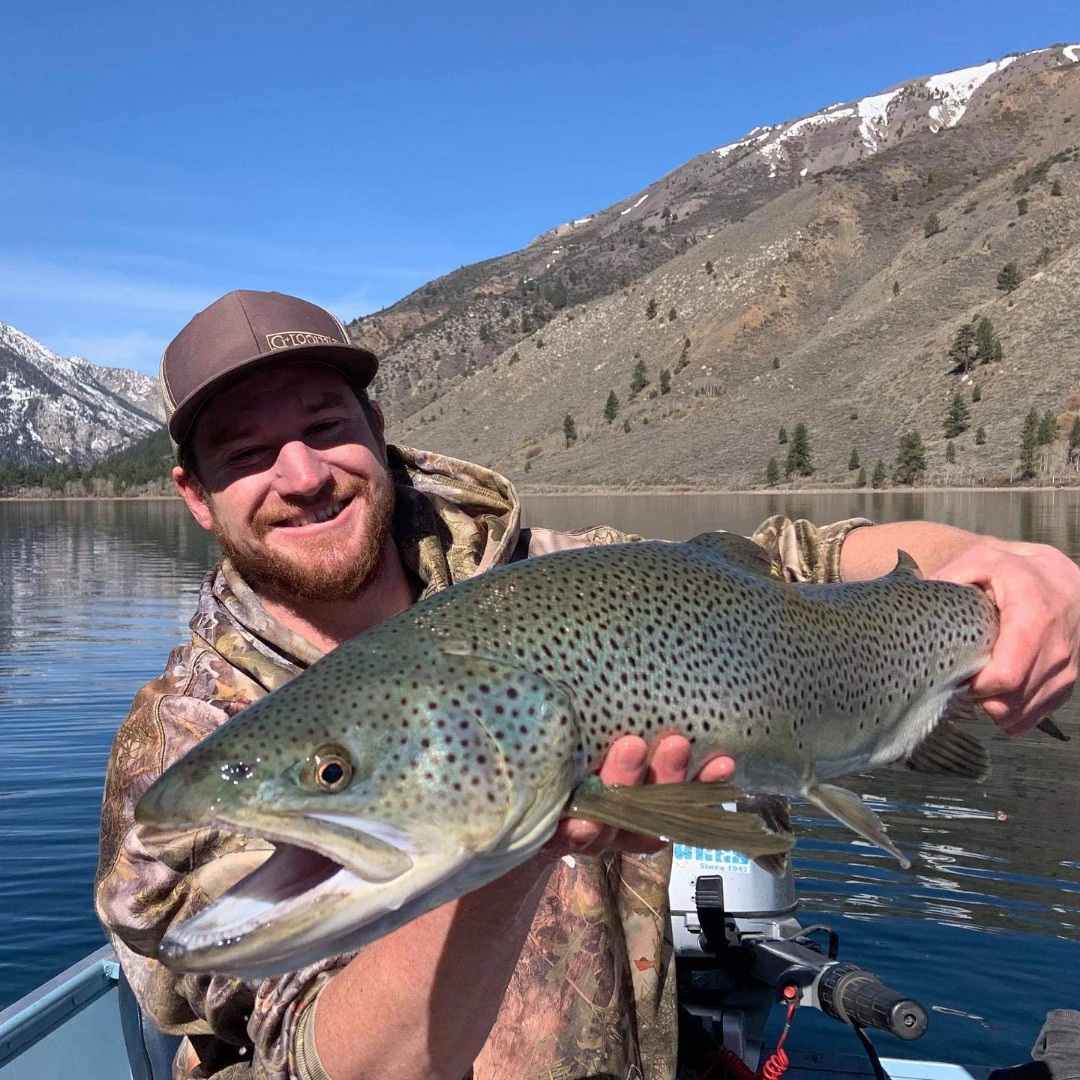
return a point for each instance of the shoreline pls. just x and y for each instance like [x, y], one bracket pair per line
[678, 490]
[87, 498]
[638, 492]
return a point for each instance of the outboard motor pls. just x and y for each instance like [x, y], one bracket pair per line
[739, 951]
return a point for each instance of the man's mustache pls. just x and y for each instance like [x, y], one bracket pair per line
[283, 510]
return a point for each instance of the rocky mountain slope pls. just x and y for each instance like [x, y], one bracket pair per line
[786, 277]
[65, 409]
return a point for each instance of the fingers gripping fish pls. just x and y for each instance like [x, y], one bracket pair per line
[439, 749]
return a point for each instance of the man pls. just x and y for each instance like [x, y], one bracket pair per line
[560, 967]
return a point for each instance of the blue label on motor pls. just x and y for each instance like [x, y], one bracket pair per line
[708, 857]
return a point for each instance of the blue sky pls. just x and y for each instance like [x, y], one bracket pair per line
[157, 155]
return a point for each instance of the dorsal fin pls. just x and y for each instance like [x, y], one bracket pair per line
[737, 551]
[905, 566]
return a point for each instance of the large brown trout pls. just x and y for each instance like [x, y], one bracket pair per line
[438, 750]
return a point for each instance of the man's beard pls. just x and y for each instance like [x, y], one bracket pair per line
[320, 573]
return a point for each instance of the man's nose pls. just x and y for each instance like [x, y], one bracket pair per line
[299, 470]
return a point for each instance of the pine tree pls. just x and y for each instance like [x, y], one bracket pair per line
[782, 439]
[956, 419]
[910, 459]
[626, 424]
[1021, 207]
[985, 340]
[640, 378]
[853, 461]
[672, 314]
[931, 225]
[1074, 437]
[569, 431]
[798, 457]
[950, 451]
[1047, 429]
[772, 473]
[976, 393]
[860, 481]
[1029, 444]
[1055, 188]
[878, 479]
[999, 352]
[665, 381]
[1008, 278]
[709, 267]
[980, 437]
[611, 408]
[962, 350]
[896, 288]
[650, 309]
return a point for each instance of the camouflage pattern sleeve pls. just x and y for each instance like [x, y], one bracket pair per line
[805, 551]
[151, 879]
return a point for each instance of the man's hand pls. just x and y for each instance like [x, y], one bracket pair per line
[1033, 667]
[628, 762]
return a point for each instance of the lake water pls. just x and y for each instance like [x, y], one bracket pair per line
[984, 929]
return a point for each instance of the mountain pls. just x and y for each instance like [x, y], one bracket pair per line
[65, 409]
[814, 271]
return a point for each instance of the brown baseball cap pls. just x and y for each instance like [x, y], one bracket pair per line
[241, 333]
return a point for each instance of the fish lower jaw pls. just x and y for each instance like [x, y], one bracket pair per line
[283, 890]
[300, 906]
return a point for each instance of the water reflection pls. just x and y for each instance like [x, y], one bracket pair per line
[985, 924]
[92, 597]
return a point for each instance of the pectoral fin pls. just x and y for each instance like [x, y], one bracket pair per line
[855, 814]
[688, 813]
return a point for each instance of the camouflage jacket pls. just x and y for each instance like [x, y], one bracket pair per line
[593, 993]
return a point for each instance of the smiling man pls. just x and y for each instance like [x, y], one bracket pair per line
[558, 968]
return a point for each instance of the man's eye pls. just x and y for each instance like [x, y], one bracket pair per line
[248, 454]
[323, 427]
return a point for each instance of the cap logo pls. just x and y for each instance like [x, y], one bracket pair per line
[290, 339]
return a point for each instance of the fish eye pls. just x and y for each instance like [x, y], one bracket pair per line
[331, 770]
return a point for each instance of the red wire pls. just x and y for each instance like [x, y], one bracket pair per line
[774, 1067]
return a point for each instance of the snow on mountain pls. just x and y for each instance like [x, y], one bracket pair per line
[636, 205]
[56, 408]
[954, 90]
[825, 139]
[874, 115]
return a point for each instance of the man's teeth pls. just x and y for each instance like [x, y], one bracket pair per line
[318, 515]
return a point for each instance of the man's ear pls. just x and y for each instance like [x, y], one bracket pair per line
[193, 494]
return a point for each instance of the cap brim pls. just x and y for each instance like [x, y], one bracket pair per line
[357, 364]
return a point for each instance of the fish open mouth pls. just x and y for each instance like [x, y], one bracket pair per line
[289, 881]
[302, 904]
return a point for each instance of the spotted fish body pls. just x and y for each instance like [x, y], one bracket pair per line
[458, 732]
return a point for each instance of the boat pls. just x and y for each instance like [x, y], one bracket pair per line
[731, 922]
[80, 1015]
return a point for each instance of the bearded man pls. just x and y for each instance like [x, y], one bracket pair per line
[560, 968]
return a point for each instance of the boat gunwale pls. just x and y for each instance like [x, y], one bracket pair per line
[39, 1013]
